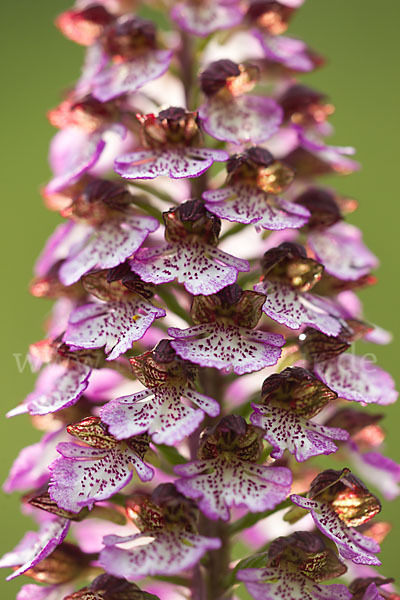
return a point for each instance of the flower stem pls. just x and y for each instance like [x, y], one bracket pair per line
[208, 585]
[149, 189]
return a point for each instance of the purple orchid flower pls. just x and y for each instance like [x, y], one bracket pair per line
[228, 114]
[159, 411]
[171, 141]
[341, 250]
[356, 378]
[107, 246]
[226, 474]
[34, 547]
[274, 583]
[114, 325]
[281, 577]
[287, 292]
[190, 254]
[165, 553]
[74, 152]
[208, 17]
[30, 469]
[292, 53]
[38, 592]
[165, 546]
[134, 59]
[288, 401]
[352, 544]
[311, 157]
[222, 343]
[328, 491]
[57, 387]
[254, 181]
[82, 475]
[381, 471]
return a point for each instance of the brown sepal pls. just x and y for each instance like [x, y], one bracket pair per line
[297, 390]
[308, 553]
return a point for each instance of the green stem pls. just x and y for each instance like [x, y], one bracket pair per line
[149, 208]
[235, 229]
[145, 187]
[172, 303]
[252, 518]
[121, 367]
[175, 579]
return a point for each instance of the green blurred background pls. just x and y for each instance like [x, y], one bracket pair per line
[360, 39]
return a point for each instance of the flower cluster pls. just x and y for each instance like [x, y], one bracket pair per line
[194, 365]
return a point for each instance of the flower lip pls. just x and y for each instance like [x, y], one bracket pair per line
[129, 36]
